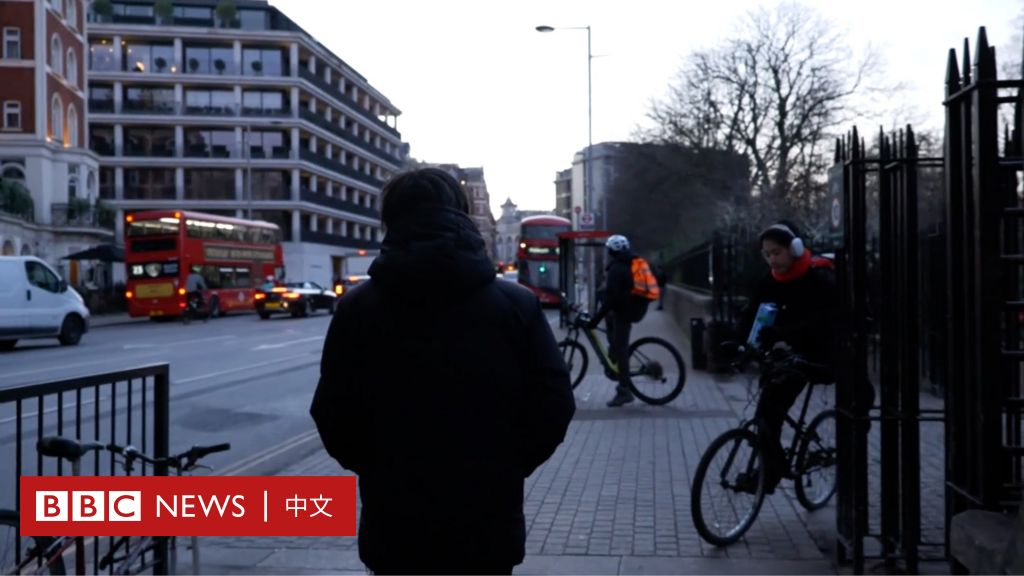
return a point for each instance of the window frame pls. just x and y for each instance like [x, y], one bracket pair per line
[56, 55]
[73, 133]
[57, 119]
[12, 34]
[71, 67]
[12, 107]
[51, 276]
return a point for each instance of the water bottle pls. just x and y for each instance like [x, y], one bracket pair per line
[765, 317]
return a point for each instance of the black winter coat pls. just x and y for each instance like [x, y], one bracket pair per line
[806, 317]
[442, 389]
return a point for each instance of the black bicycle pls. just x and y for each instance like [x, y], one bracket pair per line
[657, 372]
[729, 485]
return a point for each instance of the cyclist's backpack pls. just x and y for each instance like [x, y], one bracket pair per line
[645, 285]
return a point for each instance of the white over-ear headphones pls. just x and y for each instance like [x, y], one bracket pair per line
[796, 245]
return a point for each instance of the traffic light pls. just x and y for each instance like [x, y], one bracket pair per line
[543, 269]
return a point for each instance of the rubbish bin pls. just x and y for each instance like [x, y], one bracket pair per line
[718, 359]
[699, 358]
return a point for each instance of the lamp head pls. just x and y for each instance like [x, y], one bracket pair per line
[545, 29]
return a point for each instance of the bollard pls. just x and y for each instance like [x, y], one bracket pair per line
[699, 358]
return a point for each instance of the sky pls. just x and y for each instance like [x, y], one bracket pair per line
[479, 86]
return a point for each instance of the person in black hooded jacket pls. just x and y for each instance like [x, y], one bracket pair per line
[418, 397]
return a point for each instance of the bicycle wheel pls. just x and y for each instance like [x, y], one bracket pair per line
[728, 488]
[575, 356]
[10, 543]
[816, 462]
[657, 372]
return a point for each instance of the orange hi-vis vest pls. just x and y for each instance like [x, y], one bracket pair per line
[645, 284]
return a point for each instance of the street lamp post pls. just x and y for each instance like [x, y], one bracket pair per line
[588, 200]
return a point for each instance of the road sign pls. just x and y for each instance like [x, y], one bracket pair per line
[577, 209]
[587, 219]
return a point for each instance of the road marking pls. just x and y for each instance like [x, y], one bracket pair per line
[50, 369]
[241, 368]
[173, 382]
[238, 468]
[289, 343]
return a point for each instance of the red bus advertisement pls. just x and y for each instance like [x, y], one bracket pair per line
[537, 256]
[163, 247]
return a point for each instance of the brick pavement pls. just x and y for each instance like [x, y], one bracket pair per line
[614, 499]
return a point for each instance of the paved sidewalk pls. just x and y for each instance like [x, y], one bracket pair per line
[614, 499]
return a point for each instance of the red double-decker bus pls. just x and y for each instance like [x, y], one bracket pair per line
[163, 247]
[537, 256]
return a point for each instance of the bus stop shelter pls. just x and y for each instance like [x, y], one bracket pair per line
[581, 260]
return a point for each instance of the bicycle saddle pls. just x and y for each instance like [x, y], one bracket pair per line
[60, 447]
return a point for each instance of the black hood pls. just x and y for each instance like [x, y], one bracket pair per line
[437, 254]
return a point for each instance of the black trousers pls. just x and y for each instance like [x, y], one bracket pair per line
[778, 393]
[618, 348]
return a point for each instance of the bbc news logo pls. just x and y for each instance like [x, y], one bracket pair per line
[88, 506]
[189, 506]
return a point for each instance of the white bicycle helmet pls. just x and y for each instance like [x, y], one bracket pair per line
[617, 243]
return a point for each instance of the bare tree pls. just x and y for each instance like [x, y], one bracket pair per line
[776, 91]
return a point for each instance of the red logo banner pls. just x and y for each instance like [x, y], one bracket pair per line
[188, 505]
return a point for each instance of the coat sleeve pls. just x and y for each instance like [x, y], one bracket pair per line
[550, 404]
[338, 400]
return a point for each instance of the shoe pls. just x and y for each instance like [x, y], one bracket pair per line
[620, 399]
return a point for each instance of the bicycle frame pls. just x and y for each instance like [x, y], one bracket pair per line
[798, 425]
[595, 343]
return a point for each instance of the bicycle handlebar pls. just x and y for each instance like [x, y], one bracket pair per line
[183, 461]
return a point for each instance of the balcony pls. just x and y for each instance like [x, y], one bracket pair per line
[152, 152]
[330, 164]
[210, 110]
[83, 215]
[347, 136]
[137, 107]
[277, 153]
[204, 151]
[99, 105]
[285, 112]
[307, 195]
[335, 240]
[322, 84]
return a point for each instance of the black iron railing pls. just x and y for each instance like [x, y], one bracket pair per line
[127, 407]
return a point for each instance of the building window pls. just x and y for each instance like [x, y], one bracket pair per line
[141, 57]
[267, 144]
[12, 43]
[211, 102]
[149, 99]
[140, 141]
[12, 115]
[101, 139]
[210, 144]
[13, 172]
[107, 183]
[101, 55]
[148, 184]
[271, 185]
[264, 103]
[263, 62]
[253, 19]
[209, 184]
[193, 15]
[72, 75]
[72, 126]
[56, 119]
[210, 60]
[72, 188]
[58, 5]
[101, 98]
[57, 56]
[72, 13]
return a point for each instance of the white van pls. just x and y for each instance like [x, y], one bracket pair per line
[35, 302]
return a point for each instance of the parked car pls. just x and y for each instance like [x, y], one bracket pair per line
[35, 302]
[296, 298]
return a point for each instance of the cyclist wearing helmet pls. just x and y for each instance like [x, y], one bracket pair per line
[622, 309]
